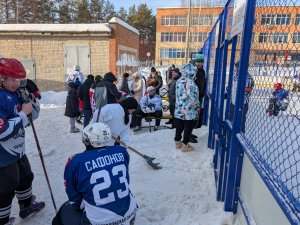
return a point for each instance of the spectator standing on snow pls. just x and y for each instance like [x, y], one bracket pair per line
[172, 94]
[72, 106]
[84, 96]
[75, 74]
[137, 92]
[15, 173]
[124, 88]
[106, 91]
[187, 107]
[98, 79]
[155, 80]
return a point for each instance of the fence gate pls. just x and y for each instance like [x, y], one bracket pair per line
[77, 54]
[253, 46]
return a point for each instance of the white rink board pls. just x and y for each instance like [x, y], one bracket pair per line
[258, 200]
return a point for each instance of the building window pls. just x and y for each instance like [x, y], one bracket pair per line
[263, 38]
[280, 37]
[172, 53]
[276, 19]
[198, 37]
[173, 37]
[173, 20]
[203, 20]
[297, 19]
[296, 37]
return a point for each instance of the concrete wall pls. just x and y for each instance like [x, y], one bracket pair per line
[259, 201]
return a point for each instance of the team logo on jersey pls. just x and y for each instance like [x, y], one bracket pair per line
[2, 122]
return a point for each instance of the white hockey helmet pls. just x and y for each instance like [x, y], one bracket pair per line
[96, 134]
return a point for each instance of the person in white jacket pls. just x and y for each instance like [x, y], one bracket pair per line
[117, 117]
[75, 75]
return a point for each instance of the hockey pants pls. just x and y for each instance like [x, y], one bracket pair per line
[16, 179]
[69, 215]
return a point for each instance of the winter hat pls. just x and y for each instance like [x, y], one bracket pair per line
[90, 76]
[153, 69]
[98, 79]
[129, 103]
[76, 67]
[150, 88]
[125, 75]
[136, 74]
[189, 70]
[199, 57]
[176, 70]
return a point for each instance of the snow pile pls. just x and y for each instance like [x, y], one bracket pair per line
[182, 193]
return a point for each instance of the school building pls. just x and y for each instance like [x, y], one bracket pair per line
[276, 39]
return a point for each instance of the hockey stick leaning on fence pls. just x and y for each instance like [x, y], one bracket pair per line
[42, 160]
[148, 159]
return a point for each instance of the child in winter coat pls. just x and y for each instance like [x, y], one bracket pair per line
[72, 106]
[278, 101]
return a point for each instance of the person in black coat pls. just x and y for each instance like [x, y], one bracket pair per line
[200, 82]
[172, 93]
[124, 86]
[84, 96]
[72, 106]
[106, 91]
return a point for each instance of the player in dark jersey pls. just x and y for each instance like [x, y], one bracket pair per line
[15, 172]
[97, 183]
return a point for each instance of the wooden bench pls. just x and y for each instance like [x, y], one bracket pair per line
[165, 116]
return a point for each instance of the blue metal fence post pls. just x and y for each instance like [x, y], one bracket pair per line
[235, 152]
[213, 96]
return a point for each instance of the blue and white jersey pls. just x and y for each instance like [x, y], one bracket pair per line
[98, 181]
[12, 123]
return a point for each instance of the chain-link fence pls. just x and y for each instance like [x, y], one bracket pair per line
[257, 72]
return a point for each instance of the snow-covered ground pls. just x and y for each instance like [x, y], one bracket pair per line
[182, 193]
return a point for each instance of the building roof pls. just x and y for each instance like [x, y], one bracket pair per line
[124, 24]
[96, 27]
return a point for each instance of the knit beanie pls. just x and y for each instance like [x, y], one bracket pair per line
[153, 69]
[129, 103]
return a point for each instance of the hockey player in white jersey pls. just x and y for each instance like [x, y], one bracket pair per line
[97, 183]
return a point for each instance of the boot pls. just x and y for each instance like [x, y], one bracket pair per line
[137, 129]
[32, 208]
[74, 130]
[186, 148]
[178, 144]
[155, 128]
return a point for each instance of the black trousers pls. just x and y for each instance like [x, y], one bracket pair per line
[15, 179]
[140, 114]
[172, 112]
[68, 215]
[185, 126]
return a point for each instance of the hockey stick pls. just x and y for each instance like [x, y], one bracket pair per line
[148, 159]
[42, 160]
[26, 99]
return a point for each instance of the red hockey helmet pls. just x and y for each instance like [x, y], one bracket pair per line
[12, 68]
[278, 86]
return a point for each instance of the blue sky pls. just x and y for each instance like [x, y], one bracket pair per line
[152, 4]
